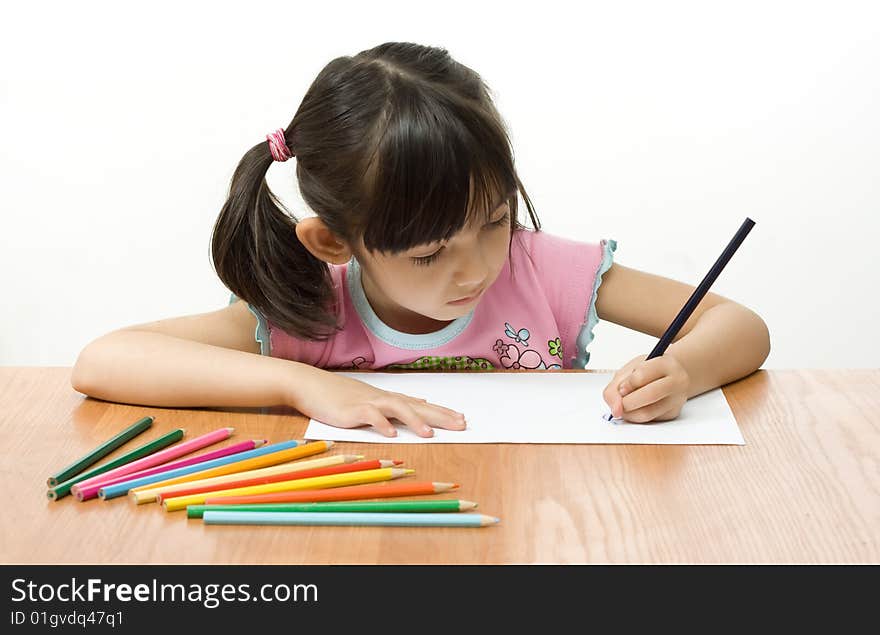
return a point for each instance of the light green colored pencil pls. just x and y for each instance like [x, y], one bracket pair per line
[437, 506]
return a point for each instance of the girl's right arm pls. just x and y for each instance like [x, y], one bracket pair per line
[212, 360]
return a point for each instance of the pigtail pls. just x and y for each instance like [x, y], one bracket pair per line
[258, 256]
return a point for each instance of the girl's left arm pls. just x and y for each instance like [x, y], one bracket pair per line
[722, 341]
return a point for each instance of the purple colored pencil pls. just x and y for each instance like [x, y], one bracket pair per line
[235, 448]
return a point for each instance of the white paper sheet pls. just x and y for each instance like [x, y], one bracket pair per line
[537, 408]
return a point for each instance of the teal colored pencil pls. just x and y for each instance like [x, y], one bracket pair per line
[348, 518]
[100, 452]
[408, 507]
[63, 489]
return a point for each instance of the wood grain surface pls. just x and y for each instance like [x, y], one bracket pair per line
[805, 488]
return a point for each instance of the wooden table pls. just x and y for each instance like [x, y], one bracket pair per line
[805, 488]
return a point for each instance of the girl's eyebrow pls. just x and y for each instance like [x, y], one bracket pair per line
[437, 242]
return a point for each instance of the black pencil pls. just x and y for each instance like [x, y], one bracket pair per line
[701, 290]
[697, 295]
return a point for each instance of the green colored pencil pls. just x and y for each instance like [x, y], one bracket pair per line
[101, 451]
[198, 511]
[63, 489]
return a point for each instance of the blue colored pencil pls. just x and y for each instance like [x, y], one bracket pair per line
[120, 489]
[348, 518]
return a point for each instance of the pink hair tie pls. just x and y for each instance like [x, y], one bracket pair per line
[278, 145]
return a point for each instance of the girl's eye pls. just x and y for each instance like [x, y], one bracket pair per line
[427, 260]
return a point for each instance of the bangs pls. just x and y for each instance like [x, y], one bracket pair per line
[440, 165]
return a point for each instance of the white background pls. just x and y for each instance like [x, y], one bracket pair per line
[660, 124]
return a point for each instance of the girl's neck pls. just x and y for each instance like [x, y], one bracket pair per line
[395, 316]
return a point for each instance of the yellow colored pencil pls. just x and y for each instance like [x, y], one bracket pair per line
[317, 482]
[272, 458]
[150, 495]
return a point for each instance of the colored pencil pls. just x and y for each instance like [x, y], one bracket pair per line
[234, 448]
[158, 458]
[100, 452]
[301, 450]
[318, 482]
[399, 507]
[356, 492]
[149, 495]
[63, 489]
[344, 518]
[274, 449]
[91, 490]
[292, 474]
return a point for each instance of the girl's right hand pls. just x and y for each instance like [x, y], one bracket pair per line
[345, 402]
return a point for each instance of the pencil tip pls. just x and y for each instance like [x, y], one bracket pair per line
[258, 443]
[409, 471]
[396, 462]
[330, 444]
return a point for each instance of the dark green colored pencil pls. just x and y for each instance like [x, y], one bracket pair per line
[198, 511]
[101, 451]
[63, 489]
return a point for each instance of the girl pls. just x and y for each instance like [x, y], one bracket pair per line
[417, 259]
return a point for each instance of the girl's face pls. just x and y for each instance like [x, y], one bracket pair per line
[424, 288]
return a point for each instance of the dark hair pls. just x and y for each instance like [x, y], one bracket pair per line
[400, 145]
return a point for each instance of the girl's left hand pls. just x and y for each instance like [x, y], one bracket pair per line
[653, 390]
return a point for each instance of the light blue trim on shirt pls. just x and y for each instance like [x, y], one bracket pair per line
[377, 327]
[585, 336]
[261, 333]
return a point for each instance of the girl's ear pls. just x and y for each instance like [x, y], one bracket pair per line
[321, 242]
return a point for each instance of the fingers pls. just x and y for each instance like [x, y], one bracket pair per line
[647, 395]
[434, 415]
[420, 417]
[663, 410]
[371, 415]
[645, 373]
[440, 417]
[417, 414]
[406, 414]
[611, 394]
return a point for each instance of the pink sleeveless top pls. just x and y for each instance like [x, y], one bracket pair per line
[538, 314]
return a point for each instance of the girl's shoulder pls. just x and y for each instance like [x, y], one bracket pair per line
[552, 254]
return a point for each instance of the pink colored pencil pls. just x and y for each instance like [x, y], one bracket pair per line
[160, 457]
[90, 491]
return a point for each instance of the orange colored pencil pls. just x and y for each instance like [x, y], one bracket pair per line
[352, 492]
[290, 475]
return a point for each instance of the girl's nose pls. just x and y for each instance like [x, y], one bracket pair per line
[472, 270]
